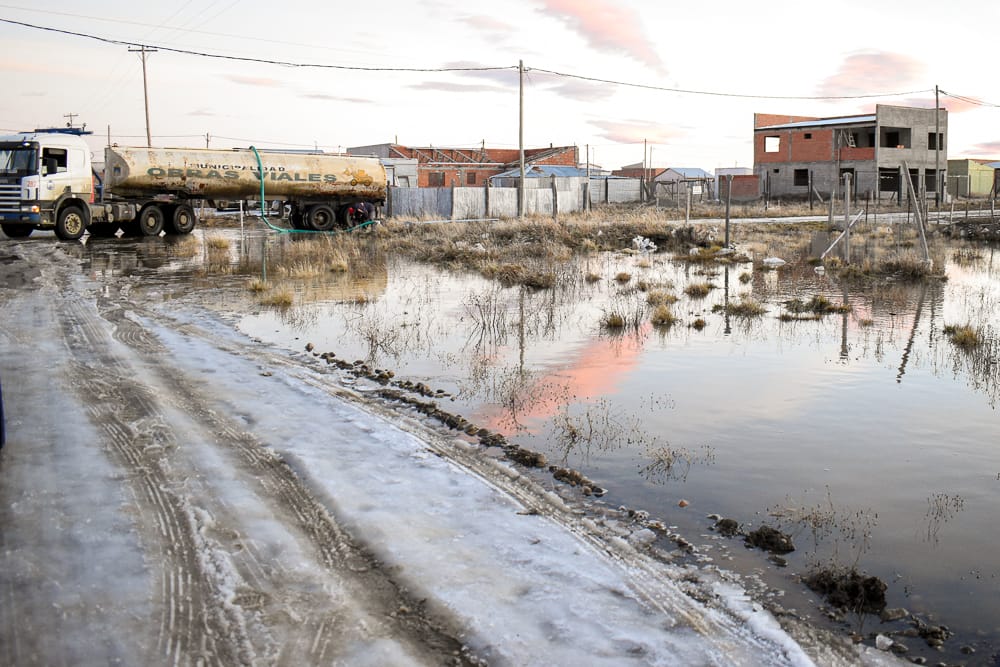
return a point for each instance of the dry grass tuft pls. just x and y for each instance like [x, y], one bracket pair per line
[660, 298]
[663, 317]
[698, 290]
[282, 298]
[745, 307]
[964, 336]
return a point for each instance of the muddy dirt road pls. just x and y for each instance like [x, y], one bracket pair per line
[172, 494]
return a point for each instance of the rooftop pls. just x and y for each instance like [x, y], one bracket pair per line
[821, 122]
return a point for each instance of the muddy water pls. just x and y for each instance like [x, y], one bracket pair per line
[868, 435]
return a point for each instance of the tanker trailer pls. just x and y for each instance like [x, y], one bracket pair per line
[321, 190]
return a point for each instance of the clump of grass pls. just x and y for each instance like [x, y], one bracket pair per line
[592, 277]
[966, 256]
[183, 246]
[217, 243]
[258, 285]
[746, 277]
[698, 290]
[282, 298]
[662, 316]
[818, 305]
[866, 322]
[518, 274]
[623, 277]
[796, 317]
[701, 254]
[339, 265]
[964, 336]
[660, 298]
[745, 307]
[644, 264]
[613, 320]
[698, 324]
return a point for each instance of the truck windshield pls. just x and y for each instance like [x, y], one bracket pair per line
[18, 160]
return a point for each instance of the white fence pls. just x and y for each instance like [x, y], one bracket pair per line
[558, 195]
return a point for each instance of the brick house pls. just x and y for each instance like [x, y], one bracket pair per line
[468, 167]
[795, 153]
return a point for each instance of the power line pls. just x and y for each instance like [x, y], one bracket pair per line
[970, 100]
[718, 94]
[264, 61]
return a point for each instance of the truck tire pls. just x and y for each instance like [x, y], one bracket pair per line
[321, 218]
[102, 230]
[183, 220]
[17, 231]
[151, 220]
[70, 224]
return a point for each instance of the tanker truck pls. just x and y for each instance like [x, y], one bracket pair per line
[48, 181]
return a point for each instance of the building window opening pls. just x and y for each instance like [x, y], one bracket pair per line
[470, 178]
[935, 141]
[772, 144]
[435, 179]
[808, 135]
[895, 137]
[801, 177]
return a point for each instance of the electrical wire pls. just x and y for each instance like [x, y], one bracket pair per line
[970, 100]
[263, 61]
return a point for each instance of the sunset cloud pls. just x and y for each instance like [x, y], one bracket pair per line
[335, 98]
[636, 131]
[607, 26]
[986, 148]
[255, 81]
[455, 87]
[873, 72]
[488, 24]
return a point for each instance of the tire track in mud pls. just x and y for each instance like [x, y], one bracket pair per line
[192, 630]
[320, 635]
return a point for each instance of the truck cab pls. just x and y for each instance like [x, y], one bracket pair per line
[46, 182]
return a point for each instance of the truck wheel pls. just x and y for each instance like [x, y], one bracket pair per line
[70, 224]
[151, 220]
[102, 230]
[321, 218]
[17, 231]
[183, 220]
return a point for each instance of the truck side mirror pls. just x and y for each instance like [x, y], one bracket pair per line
[51, 166]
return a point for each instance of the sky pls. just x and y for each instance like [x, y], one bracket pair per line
[734, 58]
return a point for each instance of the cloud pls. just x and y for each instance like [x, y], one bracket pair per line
[335, 98]
[255, 81]
[607, 26]
[872, 72]
[635, 131]
[986, 148]
[202, 112]
[488, 24]
[454, 87]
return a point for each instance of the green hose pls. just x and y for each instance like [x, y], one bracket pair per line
[263, 209]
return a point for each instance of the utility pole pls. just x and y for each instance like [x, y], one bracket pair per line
[586, 202]
[142, 51]
[937, 149]
[520, 138]
[207, 137]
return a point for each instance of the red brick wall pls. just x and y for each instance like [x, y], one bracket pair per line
[818, 148]
[765, 119]
[745, 187]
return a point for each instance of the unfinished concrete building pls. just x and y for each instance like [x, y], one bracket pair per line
[798, 155]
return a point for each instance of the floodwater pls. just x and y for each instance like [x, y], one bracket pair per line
[869, 436]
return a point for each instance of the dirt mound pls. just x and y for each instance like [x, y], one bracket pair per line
[770, 539]
[849, 589]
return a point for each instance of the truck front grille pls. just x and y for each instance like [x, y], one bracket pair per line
[10, 198]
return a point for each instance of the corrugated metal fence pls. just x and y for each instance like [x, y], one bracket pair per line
[549, 197]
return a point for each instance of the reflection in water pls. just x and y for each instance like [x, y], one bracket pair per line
[941, 508]
[789, 408]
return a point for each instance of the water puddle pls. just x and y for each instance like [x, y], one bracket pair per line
[864, 432]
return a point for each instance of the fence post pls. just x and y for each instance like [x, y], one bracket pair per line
[555, 198]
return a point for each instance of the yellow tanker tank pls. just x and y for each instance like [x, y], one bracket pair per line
[235, 174]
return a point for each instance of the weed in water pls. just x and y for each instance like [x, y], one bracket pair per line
[698, 290]
[746, 277]
[282, 298]
[623, 277]
[698, 324]
[662, 316]
[613, 320]
[964, 336]
[745, 307]
[217, 243]
[660, 298]
[592, 277]
[258, 285]
[818, 305]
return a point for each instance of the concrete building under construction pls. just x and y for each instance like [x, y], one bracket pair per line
[798, 155]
